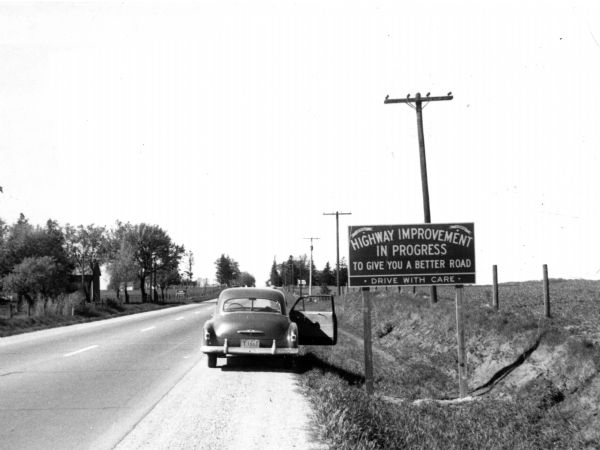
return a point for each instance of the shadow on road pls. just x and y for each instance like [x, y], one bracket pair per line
[310, 361]
[301, 365]
[255, 364]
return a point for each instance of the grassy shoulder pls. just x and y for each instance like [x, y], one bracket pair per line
[85, 312]
[551, 400]
[349, 419]
[24, 324]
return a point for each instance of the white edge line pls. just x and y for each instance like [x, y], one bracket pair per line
[147, 329]
[80, 350]
[179, 318]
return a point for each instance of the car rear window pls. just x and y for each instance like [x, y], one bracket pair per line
[251, 305]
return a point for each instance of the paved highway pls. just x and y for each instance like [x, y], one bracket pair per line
[88, 385]
[140, 382]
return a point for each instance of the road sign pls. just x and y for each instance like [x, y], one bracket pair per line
[411, 255]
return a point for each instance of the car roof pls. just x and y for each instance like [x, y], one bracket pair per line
[270, 294]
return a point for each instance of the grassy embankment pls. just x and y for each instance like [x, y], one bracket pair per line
[551, 400]
[85, 312]
[24, 324]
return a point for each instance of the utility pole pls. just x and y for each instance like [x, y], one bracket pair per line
[337, 215]
[311, 264]
[291, 264]
[418, 106]
[153, 278]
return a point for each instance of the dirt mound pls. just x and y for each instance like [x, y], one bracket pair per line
[552, 372]
[566, 375]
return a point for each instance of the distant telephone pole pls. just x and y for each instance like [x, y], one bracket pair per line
[311, 264]
[337, 215]
[418, 106]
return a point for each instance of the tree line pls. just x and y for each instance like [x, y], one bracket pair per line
[289, 272]
[43, 262]
[229, 273]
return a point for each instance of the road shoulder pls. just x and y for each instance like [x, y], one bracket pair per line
[238, 406]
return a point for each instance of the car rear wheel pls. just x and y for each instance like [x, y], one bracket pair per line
[212, 361]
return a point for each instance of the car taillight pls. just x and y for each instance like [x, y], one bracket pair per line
[293, 336]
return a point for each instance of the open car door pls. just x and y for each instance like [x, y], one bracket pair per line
[316, 320]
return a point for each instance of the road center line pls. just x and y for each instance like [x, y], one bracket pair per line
[179, 318]
[147, 329]
[80, 350]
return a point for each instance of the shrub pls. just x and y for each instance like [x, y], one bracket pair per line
[114, 305]
[34, 276]
[87, 310]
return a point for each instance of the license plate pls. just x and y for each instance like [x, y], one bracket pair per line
[250, 343]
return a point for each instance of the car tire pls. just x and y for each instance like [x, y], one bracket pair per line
[212, 361]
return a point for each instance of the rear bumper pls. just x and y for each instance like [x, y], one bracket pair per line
[227, 350]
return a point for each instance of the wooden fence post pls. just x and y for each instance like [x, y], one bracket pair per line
[495, 297]
[460, 337]
[546, 293]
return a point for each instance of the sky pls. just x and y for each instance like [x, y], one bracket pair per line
[235, 125]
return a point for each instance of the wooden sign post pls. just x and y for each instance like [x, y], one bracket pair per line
[366, 305]
[460, 337]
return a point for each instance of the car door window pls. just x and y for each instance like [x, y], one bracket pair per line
[323, 303]
[316, 320]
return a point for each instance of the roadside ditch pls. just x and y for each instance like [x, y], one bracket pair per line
[530, 377]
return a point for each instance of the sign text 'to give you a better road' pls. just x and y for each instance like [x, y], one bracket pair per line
[409, 255]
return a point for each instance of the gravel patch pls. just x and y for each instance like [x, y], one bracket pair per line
[248, 403]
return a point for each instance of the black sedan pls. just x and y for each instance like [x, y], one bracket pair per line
[254, 321]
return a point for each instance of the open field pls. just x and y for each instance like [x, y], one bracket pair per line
[534, 382]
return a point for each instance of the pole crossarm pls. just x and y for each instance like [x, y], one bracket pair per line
[311, 239]
[416, 99]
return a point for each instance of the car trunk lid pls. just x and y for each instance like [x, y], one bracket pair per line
[263, 326]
